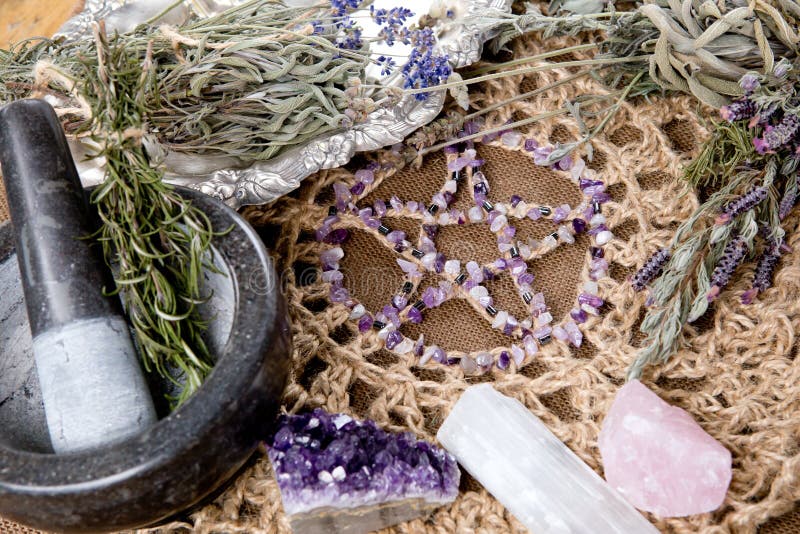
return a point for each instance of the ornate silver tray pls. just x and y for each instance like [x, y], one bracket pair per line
[240, 183]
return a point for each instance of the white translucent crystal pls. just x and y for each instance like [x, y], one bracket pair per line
[404, 347]
[604, 237]
[499, 222]
[565, 234]
[522, 209]
[500, 319]
[452, 267]
[590, 287]
[358, 311]
[543, 483]
[450, 186]
[475, 214]
[597, 219]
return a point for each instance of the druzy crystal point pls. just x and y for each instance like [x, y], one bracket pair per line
[530, 471]
[337, 474]
[659, 458]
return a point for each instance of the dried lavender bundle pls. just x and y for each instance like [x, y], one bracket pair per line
[751, 160]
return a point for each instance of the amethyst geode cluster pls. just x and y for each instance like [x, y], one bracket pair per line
[330, 463]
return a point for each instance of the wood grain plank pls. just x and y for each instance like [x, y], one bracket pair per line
[20, 19]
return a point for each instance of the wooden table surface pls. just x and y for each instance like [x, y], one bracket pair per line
[20, 19]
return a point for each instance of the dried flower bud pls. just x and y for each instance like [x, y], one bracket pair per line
[735, 251]
[776, 137]
[787, 202]
[651, 269]
[746, 202]
[739, 110]
[766, 268]
[749, 82]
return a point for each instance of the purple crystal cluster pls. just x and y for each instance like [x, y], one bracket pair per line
[332, 460]
[469, 280]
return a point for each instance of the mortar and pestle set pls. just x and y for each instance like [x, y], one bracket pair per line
[83, 447]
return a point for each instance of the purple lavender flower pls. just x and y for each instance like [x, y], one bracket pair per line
[766, 268]
[386, 64]
[749, 82]
[734, 253]
[651, 269]
[755, 196]
[341, 7]
[424, 69]
[778, 136]
[739, 110]
[787, 202]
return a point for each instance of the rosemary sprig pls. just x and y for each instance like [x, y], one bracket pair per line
[160, 243]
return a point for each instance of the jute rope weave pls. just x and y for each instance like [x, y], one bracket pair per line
[737, 374]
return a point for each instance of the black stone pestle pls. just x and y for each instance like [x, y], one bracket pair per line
[92, 385]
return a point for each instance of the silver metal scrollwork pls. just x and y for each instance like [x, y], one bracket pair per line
[237, 183]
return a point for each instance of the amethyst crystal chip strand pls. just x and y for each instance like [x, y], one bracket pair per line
[332, 468]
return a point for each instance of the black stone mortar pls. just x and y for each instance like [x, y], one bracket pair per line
[188, 454]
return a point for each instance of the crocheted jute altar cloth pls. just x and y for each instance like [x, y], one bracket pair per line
[737, 374]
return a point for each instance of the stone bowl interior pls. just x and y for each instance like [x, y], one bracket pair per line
[188, 453]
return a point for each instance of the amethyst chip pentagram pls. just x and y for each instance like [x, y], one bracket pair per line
[339, 474]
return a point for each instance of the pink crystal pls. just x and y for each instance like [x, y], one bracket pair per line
[659, 458]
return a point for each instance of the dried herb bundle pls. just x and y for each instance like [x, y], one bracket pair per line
[693, 46]
[248, 83]
[751, 164]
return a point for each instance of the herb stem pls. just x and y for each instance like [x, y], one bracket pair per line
[530, 59]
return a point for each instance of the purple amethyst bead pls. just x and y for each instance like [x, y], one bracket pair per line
[560, 213]
[592, 300]
[503, 361]
[430, 230]
[365, 176]
[396, 236]
[399, 302]
[584, 183]
[602, 198]
[438, 262]
[358, 188]
[339, 294]
[393, 339]
[597, 229]
[525, 278]
[597, 252]
[414, 315]
[542, 332]
[579, 225]
[364, 323]
[578, 315]
[531, 145]
[380, 207]
[515, 199]
[336, 237]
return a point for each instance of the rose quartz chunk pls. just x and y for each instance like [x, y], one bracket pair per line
[659, 458]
